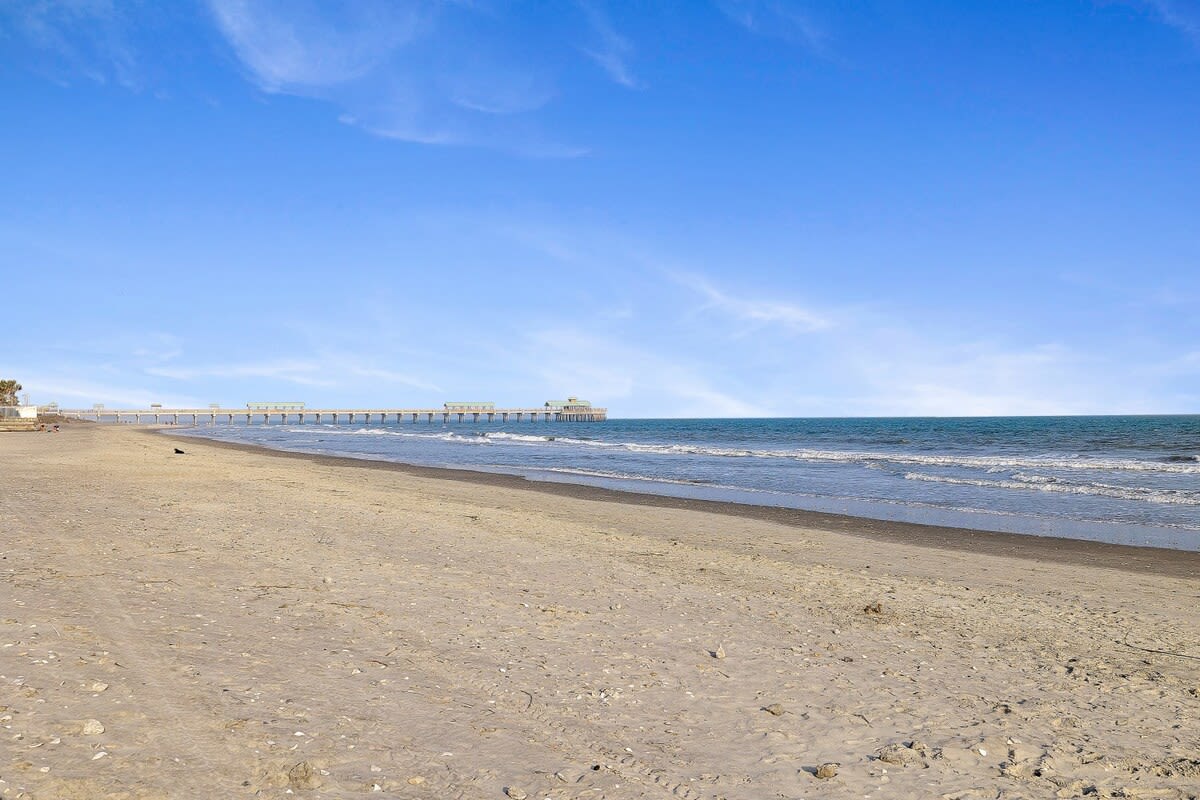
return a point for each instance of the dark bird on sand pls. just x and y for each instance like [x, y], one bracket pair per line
[178, 452]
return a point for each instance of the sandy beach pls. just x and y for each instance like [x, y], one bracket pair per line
[236, 623]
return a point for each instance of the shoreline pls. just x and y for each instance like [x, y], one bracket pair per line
[1035, 547]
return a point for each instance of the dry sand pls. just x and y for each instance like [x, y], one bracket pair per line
[228, 623]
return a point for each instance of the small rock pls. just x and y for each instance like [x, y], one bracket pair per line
[92, 727]
[515, 793]
[719, 652]
[97, 686]
[827, 770]
[903, 755]
[874, 608]
[416, 780]
[774, 709]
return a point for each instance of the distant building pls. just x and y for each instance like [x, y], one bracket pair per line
[18, 418]
[570, 405]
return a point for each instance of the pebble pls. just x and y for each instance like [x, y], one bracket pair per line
[827, 770]
[719, 652]
[515, 793]
[774, 709]
[92, 727]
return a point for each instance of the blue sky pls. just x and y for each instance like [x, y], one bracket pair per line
[726, 208]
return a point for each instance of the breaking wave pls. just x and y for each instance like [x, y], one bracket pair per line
[1050, 484]
[1183, 465]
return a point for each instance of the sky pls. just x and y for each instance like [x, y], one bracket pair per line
[673, 209]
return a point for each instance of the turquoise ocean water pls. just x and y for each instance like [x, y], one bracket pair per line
[1132, 480]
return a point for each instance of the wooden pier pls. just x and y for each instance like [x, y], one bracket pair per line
[337, 416]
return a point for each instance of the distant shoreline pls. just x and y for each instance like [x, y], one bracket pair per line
[1033, 547]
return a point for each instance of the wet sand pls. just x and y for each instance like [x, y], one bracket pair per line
[240, 623]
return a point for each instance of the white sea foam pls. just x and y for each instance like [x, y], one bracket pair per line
[625, 476]
[991, 464]
[502, 436]
[1049, 484]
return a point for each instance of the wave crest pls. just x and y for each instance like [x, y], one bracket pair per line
[1049, 484]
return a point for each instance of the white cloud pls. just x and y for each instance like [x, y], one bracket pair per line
[300, 372]
[299, 46]
[612, 51]
[1177, 15]
[755, 312]
[324, 369]
[391, 376]
[774, 18]
[632, 379]
[83, 37]
[417, 71]
[916, 376]
[72, 391]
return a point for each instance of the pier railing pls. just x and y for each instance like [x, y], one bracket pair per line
[336, 416]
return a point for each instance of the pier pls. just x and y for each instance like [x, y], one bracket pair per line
[456, 413]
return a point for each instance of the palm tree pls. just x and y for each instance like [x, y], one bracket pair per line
[8, 392]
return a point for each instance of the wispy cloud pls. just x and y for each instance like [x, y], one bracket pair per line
[662, 383]
[419, 71]
[612, 51]
[777, 19]
[1177, 14]
[755, 312]
[299, 372]
[299, 46]
[913, 372]
[322, 370]
[88, 38]
[393, 377]
[70, 390]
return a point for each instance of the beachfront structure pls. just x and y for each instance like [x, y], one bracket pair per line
[553, 411]
[18, 418]
[572, 409]
[282, 406]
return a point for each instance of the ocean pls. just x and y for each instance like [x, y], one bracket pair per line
[1124, 479]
